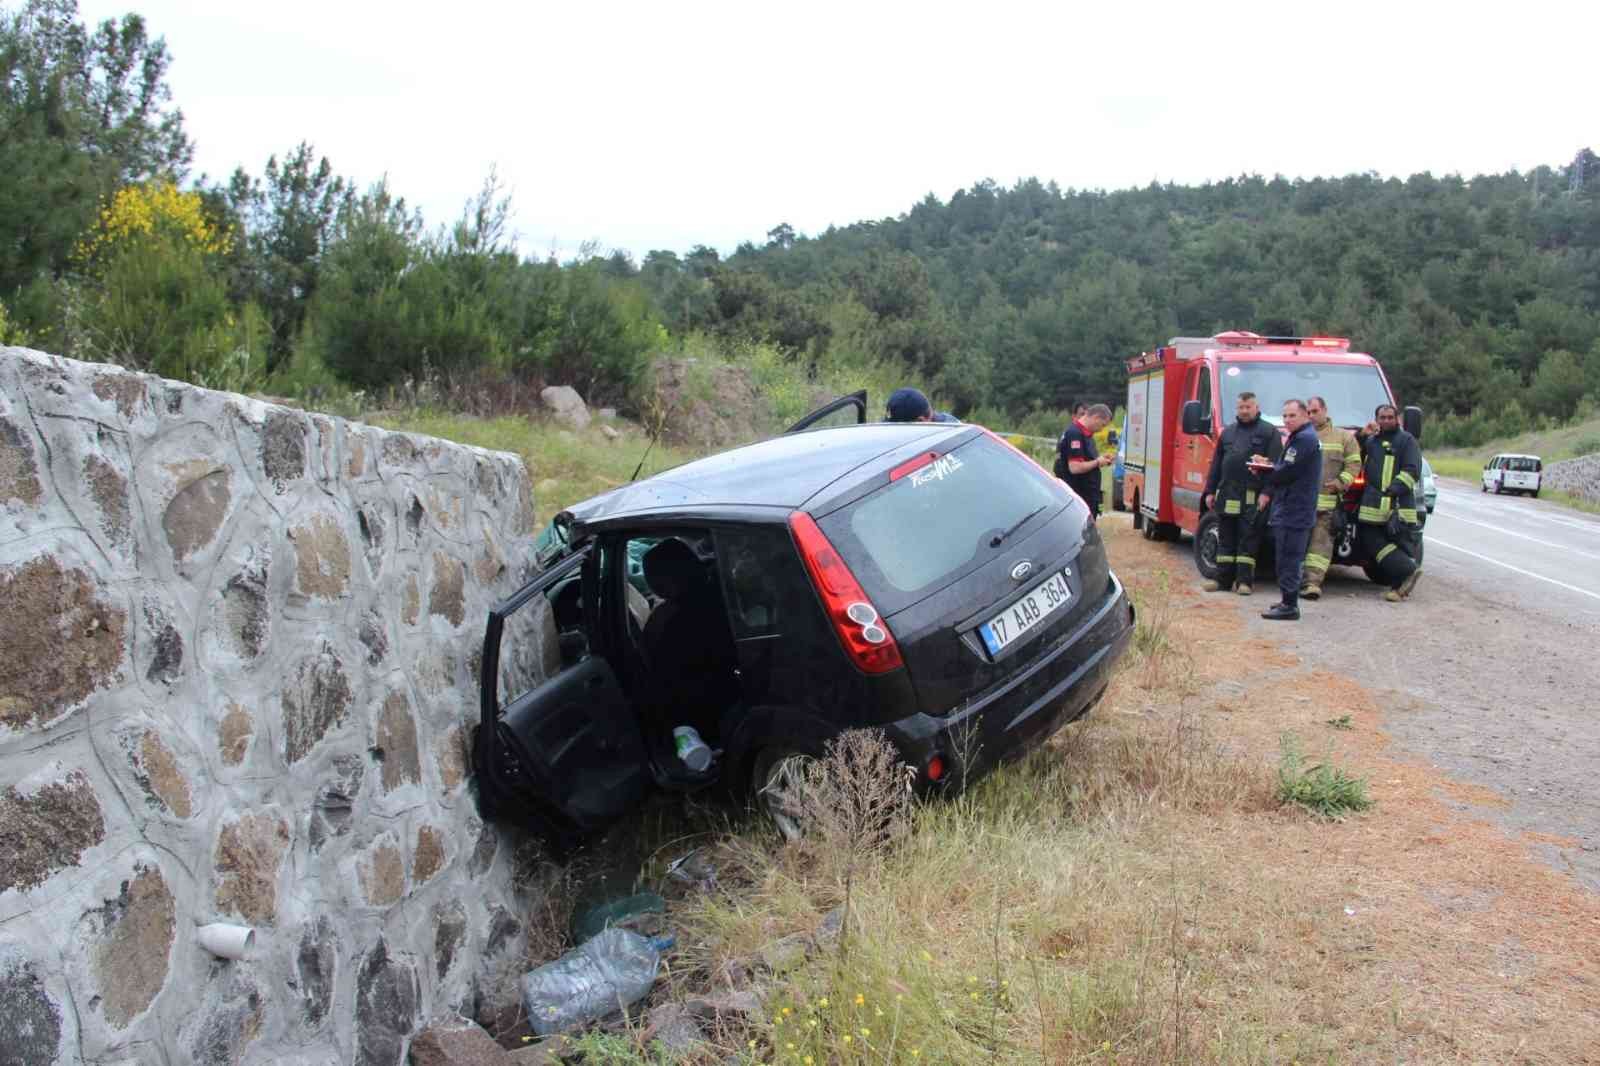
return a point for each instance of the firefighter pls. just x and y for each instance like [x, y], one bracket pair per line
[1341, 461]
[1387, 520]
[1292, 483]
[1232, 489]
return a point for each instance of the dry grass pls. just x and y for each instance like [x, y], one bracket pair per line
[1134, 893]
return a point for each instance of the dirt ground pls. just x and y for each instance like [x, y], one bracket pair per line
[1469, 886]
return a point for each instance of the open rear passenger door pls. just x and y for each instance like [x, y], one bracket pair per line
[855, 404]
[558, 747]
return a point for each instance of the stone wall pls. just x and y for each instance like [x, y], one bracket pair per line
[1580, 476]
[239, 648]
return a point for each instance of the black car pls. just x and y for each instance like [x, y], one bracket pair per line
[923, 578]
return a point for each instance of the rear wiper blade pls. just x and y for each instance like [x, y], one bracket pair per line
[1000, 538]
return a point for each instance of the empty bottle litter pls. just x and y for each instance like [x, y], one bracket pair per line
[601, 977]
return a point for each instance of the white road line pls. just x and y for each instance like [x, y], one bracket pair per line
[1430, 541]
[1514, 533]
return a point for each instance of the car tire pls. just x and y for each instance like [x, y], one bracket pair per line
[1207, 537]
[1482, 487]
[776, 769]
[1535, 494]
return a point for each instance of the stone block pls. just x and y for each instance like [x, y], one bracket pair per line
[228, 1018]
[428, 856]
[382, 873]
[446, 599]
[108, 488]
[198, 507]
[315, 700]
[455, 1042]
[157, 772]
[245, 611]
[61, 640]
[396, 743]
[449, 933]
[132, 939]
[450, 754]
[126, 391]
[316, 963]
[387, 998]
[410, 601]
[51, 818]
[247, 857]
[31, 1019]
[283, 447]
[19, 469]
[322, 558]
[233, 736]
[334, 806]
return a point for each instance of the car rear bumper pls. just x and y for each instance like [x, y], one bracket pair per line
[1023, 711]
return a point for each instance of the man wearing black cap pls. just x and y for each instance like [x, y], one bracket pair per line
[908, 405]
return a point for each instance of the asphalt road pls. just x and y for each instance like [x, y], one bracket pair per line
[1491, 670]
[1550, 551]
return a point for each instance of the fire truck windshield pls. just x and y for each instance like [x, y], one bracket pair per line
[1351, 391]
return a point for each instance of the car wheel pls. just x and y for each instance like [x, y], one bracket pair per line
[775, 781]
[1138, 515]
[1535, 494]
[1207, 538]
[1482, 487]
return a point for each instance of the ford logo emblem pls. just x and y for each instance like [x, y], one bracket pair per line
[1021, 570]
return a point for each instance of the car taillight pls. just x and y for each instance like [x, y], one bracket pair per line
[865, 635]
[1360, 482]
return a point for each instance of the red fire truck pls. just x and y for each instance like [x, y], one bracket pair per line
[1181, 395]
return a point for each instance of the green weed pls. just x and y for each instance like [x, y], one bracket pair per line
[1320, 787]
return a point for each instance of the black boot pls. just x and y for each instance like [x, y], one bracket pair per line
[1282, 612]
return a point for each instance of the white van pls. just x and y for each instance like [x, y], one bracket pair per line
[1513, 473]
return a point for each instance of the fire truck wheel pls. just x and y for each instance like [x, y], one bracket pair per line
[1206, 540]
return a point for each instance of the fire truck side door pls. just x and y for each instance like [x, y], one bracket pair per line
[1193, 452]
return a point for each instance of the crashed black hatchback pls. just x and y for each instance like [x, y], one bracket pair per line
[926, 579]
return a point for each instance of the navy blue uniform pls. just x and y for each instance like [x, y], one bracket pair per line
[1294, 482]
[1077, 443]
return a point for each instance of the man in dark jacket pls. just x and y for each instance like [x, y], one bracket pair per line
[1387, 521]
[1292, 485]
[1232, 489]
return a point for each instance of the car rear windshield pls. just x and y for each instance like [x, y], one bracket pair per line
[1352, 392]
[1523, 465]
[929, 527]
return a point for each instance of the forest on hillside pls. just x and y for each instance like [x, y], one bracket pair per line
[1480, 295]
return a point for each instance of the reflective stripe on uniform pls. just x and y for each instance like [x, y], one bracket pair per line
[1327, 501]
[1406, 479]
[1317, 562]
[1226, 558]
[1345, 478]
[1230, 507]
[1408, 515]
[1375, 514]
[1388, 473]
[1383, 553]
[1250, 497]
[1251, 559]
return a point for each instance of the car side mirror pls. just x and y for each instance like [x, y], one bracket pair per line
[1411, 420]
[1192, 423]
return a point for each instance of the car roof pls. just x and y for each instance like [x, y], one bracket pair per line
[782, 472]
[1514, 455]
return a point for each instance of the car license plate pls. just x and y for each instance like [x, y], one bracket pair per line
[1041, 601]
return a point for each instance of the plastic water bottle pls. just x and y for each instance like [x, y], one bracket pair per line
[602, 976]
[692, 751]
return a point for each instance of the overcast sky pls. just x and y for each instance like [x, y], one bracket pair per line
[665, 125]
